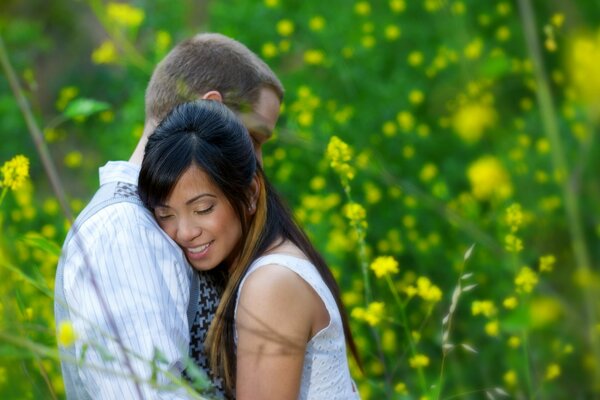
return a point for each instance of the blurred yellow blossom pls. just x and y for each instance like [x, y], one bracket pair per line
[389, 129]
[512, 243]
[418, 361]
[384, 265]
[416, 96]
[73, 159]
[372, 315]
[510, 302]
[558, 19]
[584, 58]
[483, 307]
[392, 32]
[428, 172]
[492, 328]
[271, 3]
[125, 14]
[415, 58]
[544, 311]
[552, 372]
[503, 34]
[427, 291]
[65, 95]
[314, 57]
[401, 388]
[526, 280]
[163, 41]
[269, 50]
[105, 54]
[339, 154]
[472, 119]
[547, 263]
[14, 172]
[474, 49]
[362, 8]
[510, 378]
[514, 217]
[316, 23]
[489, 179]
[285, 27]
[397, 6]
[66, 334]
[514, 342]
[405, 120]
[356, 214]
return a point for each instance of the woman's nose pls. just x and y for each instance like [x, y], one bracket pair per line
[187, 230]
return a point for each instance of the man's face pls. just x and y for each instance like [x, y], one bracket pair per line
[261, 121]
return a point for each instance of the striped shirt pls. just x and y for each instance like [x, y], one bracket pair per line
[121, 275]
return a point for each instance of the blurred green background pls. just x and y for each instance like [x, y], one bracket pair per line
[468, 123]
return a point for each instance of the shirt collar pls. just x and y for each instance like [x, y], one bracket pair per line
[119, 171]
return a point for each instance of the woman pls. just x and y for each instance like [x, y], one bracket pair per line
[280, 327]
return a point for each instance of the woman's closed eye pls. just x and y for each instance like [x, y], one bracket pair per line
[203, 211]
[163, 217]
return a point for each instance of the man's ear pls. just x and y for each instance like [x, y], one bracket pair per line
[213, 95]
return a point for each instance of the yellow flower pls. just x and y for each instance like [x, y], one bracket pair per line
[384, 265]
[163, 41]
[269, 50]
[428, 172]
[547, 263]
[427, 290]
[584, 57]
[66, 94]
[419, 361]
[314, 57]
[15, 172]
[66, 334]
[105, 54]
[552, 371]
[125, 14]
[474, 49]
[472, 120]
[392, 32]
[73, 159]
[405, 120]
[372, 315]
[510, 378]
[389, 129]
[489, 179]
[415, 58]
[483, 307]
[514, 342]
[526, 280]
[514, 216]
[416, 96]
[512, 243]
[362, 8]
[271, 3]
[397, 6]
[339, 154]
[503, 34]
[510, 303]
[316, 23]
[400, 388]
[492, 328]
[285, 27]
[558, 19]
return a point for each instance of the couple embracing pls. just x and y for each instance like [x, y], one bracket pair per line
[186, 252]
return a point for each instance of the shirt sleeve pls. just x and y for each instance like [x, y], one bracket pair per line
[129, 278]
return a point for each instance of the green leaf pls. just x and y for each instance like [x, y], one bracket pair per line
[84, 108]
[34, 239]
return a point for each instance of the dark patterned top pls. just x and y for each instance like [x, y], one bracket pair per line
[208, 300]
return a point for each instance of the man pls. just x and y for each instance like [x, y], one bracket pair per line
[127, 289]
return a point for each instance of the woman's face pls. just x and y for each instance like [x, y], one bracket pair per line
[200, 219]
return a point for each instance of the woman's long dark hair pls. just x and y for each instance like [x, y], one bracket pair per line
[208, 135]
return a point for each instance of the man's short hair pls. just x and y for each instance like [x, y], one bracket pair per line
[209, 61]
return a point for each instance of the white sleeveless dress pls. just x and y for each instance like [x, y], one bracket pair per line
[325, 374]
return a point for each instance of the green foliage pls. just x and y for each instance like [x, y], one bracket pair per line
[444, 107]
